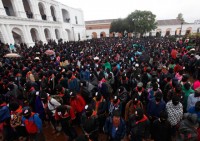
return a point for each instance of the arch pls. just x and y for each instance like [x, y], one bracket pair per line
[66, 16]
[47, 34]
[168, 32]
[69, 37]
[53, 12]
[27, 8]
[57, 34]
[198, 30]
[158, 32]
[188, 31]
[34, 34]
[42, 10]
[18, 35]
[102, 34]
[8, 6]
[94, 35]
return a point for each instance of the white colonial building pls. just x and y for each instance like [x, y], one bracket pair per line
[101, 28]
[28, 21]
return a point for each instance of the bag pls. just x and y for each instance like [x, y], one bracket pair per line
[57, 98]
[15, 119]
[30, 125]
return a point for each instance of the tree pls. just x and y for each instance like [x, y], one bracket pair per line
[141, 21]
[180, 17]
[119, 25]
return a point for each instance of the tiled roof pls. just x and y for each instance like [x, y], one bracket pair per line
[160, 22]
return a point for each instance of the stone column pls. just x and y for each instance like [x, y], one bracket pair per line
[10, 35]
[53, 33]
[48, 12]
[36, 11]
[42, 35]
[2, 10]
[5, 34]
[20, 9]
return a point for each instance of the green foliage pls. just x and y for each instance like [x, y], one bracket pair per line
[180, 17]
[138, 22]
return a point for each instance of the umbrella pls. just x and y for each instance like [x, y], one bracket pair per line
[12, 55]
[49, 52]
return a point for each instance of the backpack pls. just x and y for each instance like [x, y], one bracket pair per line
[15, 119]
[30, 125]
[57, 98]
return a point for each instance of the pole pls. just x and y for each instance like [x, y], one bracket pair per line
[181, 28]
[73, 33]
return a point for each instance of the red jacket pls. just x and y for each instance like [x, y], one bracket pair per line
[78, 103]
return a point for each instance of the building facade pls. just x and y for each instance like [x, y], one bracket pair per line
[30, 21]
[100, 28]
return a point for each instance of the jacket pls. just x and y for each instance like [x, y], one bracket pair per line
[120, 131]
[4, 112]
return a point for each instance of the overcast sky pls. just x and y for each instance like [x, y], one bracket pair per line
[111, 9]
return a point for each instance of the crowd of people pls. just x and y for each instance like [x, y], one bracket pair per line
[126, 88]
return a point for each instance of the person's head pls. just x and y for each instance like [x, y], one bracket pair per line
[72, 94]
[185, 78]
[197, 92]
[139, 86]
[135, 98]
[155, 86]
[163, 116]
[13, 106]
[116, 116]
[26, 112]
[61, 110]
[178, 88]
[98, 96]
[43, 96]
[69, 74]
[197, 106]
[175, 100]
[187, 85]
[115, 99]
[139, 114]
[59, 88]
[88, 110]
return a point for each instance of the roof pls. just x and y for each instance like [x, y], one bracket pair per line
[99, 21]
[169, 22]
[160, 22]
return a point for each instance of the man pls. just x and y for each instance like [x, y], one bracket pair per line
[161, 128]
[32, 123]
[115, 127]
[132, 105]
[175, 112]
[138, 126]
[65, 114]
[193, 98]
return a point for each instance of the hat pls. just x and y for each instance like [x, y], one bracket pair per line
[96, 58]
[26, 111]
[139, 112]
[116, 113]
[72, 94]
[36, 58]
[115, 97]
[140, 84]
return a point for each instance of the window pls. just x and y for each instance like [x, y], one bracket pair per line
[76, 19]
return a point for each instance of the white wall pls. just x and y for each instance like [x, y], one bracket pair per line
[98, 31]
[24, 24]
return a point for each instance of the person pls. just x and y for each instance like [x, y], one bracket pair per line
[90, 124]
[5, 119]
[65, 115]
[33, 124]
[188, 128]
[186, 88]
[132, 105]
[175, 112]
[114, 104]
[193, 98]
[195, 110]
[161, 128]
[138, 126]
[115, 127]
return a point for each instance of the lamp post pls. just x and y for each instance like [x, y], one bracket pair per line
[73, 33]
[181, 27]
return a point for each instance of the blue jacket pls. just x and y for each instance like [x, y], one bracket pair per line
[4, 113]
[36, 119]
[154, 109]
[193, 111]
[120, 132]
